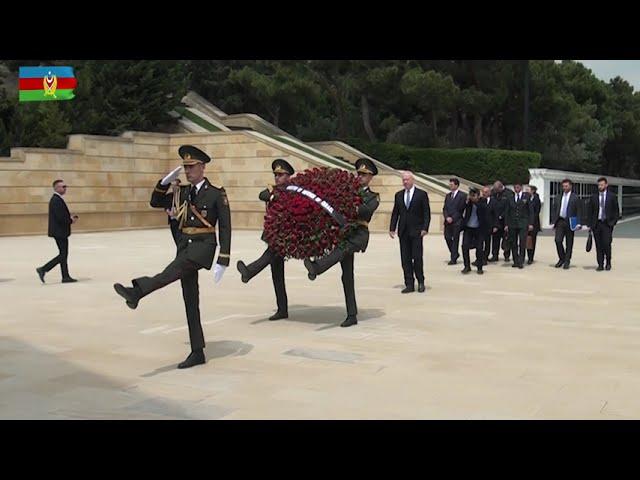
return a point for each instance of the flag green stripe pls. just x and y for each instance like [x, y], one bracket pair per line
[39, 96]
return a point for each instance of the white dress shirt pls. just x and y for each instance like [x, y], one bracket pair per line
[564, 205]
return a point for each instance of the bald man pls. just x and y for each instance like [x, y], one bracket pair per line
[411, 217]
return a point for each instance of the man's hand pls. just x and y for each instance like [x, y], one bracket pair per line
[531, 228]
[392, 234]
[218, 272]
[449, 220]
[578, 227]
[423, 233]
[74, 218]
[171, 176]
[506, 228]
[495, 229]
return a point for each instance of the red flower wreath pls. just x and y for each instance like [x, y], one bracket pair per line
[297, 227]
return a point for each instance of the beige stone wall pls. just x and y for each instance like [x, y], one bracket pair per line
[111, 178]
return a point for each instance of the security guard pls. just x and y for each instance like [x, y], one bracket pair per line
[282, 171]
[355, 242]
[200, 206]
[518, 221]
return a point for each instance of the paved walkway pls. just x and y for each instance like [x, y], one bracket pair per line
[538, 343]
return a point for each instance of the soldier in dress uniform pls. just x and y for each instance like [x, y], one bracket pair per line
[282, 171]
[201, 206]
[355, 242]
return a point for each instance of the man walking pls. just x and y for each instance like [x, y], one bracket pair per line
[604, 213]
[454, 205]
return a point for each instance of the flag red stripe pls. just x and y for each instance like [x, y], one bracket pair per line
[36, 83]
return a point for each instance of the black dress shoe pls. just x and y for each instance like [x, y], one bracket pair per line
[600, 268]
[520, 265]
[421, 288]
[244, 271]
[566, 265]
[194, 358]
[408, 290]
[480, 271]
[465, 270]
[41, 273]
[560, 263]
[506, 258]
[529, 262]
[349, 321]
[475, 263]
[452, 262]
[608, 267]
[515, 265]
[128, 293]
[493, 259]
[69, 280]
[311, 268]
[279, 316]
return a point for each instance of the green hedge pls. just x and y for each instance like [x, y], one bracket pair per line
[481, 165]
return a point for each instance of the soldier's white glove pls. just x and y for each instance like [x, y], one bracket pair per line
[218, 271]
[171, 177]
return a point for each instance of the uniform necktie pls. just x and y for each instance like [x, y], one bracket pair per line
[192, 194]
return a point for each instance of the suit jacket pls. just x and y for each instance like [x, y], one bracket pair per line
[519, 214]
[454, 207]
[499, 207]
[536, 206]
[574, 209]
[490, 210]
[611, 209]
[413, 220]
[358, 240]
[482, 210]
[212, 204]
[59, 218]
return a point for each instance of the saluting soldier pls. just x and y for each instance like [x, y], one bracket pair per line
[282, 171]
[357, 241]
[201, 206]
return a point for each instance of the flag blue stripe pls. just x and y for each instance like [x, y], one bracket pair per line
[41, 72]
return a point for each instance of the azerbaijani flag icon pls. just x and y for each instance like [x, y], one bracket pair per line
[38, 84]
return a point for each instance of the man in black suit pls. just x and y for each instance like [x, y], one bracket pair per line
[411, 217]
[604, 213]
[519, 219]
[60, 221]
[569, 205]
[454, 205]
[500, 197]
[476, 227]
[488, 200]
[532, 237]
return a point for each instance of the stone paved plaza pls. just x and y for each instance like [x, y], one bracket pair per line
[538, 343]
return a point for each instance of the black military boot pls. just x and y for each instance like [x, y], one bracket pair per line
[349, 321]
[244, 271]
[279, 316]
[195, 358]
[311, 268]
[130, 294]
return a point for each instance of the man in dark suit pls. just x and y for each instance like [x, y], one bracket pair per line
[282, 171]
[356, 241]
[60, 221]
[476, 227]
[532, 237]
[411, 216]
[569, 205]
[488, 200]
[202, 205]
[454, 205]
[519, 220]
[499, 207]
[604, 213]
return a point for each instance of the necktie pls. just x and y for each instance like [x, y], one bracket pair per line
[406, 199]
[601, 216]
[192, 194]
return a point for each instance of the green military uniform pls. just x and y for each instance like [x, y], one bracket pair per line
[357, 241]
[518, 217]
[198, 212]
[269, 257]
